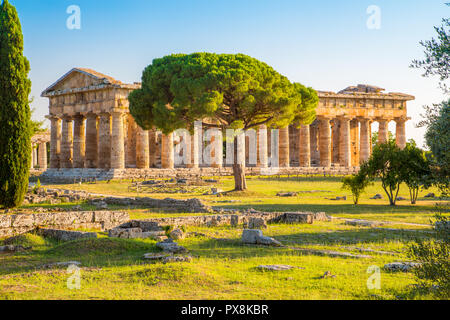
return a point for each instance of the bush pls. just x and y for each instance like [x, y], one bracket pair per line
[356, 184]
[433, 254]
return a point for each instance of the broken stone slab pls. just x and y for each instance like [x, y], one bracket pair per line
[430, 195]
[401, 266]
[401, 199]
[64, 235]
[328, 274]
[276, 267]
[377, 197]
[156, 256]
[254, 236]
[287, 194]
[170, 246]
[364, 223]
[268, 241]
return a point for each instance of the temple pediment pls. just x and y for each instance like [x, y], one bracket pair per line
[80, 79]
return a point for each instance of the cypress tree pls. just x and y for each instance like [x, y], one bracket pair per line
[15, 114]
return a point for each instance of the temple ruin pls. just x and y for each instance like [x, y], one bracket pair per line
[92, 131]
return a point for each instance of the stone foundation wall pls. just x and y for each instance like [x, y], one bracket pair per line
[156, 224]
[12, 225]
[177, 205]
[74, 175]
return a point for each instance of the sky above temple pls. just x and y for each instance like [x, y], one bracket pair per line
[327, 45]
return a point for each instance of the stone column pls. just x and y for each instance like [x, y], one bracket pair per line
[365, 141]
[91, 154]
[142, 149]
[117, 141]
[284, 147]
[43, 156]
[345, 147]
[67, 143]
[55, 142]
[104, 141]
[400, 133]
[314, 142]
[383, 131]
[194, 147]
[262, 147]
[217, 149]
[79, 146]
[153, 145]
[32, 157]
[35, 156]
[131, 143]
[304, 147]
[354, 142]
[325, 143]
[167, 152]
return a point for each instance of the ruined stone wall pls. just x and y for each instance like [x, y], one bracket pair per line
[11, 225]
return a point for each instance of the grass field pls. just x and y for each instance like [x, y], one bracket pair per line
[224, 268]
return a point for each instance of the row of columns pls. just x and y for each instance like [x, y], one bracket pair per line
[98, 141]
[39, 155]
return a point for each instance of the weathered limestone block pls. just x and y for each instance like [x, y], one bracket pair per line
[257, 223]
[298, 217]
[251, 236]
[177, 234]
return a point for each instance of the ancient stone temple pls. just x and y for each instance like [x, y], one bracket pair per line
[93, 134]
[39, 152]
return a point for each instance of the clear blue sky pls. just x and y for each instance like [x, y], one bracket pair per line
[324, 44]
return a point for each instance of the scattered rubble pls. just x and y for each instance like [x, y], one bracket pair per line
[177, 234]
[377, 197]
[430, 195]
[12, 249]
[277, 267]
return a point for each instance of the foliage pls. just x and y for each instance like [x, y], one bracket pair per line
[356, 184]
[375, 137]
[15, 114]
[416, 171]
[433, 254]
[230, 90]
[437, 54]
[386, 164]
[36, 126]
[437, 137]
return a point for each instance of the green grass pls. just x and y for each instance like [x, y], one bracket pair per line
[223, 268]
